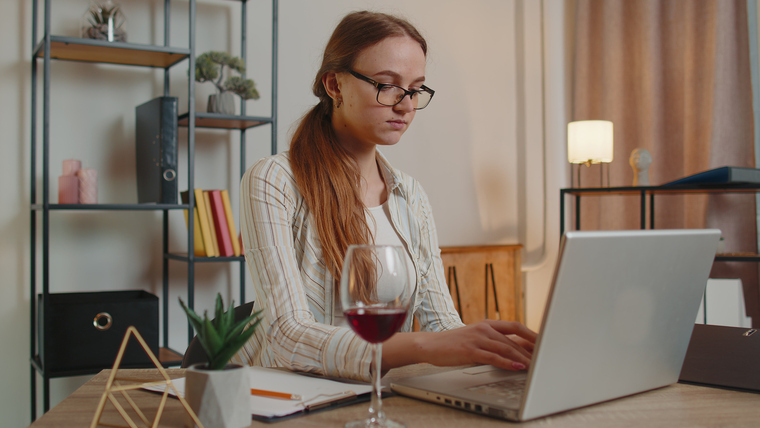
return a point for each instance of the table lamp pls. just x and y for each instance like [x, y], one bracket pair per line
[588, 142]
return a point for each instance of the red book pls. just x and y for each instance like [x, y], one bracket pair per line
[220, 224]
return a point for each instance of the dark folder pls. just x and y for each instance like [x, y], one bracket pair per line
[156, 151]
[726, 175]
[727, 357]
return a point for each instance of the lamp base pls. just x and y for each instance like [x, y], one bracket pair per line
[588, 164]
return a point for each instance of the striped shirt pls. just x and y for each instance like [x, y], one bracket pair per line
[295, 289]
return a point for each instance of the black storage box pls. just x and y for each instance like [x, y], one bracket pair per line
[83, 331]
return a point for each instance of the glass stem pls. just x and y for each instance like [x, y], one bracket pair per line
[376, 414]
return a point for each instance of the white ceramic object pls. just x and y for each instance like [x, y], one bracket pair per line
[220, 398]
[640, 160]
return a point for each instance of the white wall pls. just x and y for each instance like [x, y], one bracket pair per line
[488, 150]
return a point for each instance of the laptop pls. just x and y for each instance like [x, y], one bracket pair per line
[617, 322]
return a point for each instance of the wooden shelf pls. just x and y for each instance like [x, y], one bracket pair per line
[182, 257]
[110, 207]
[216, 120]
[661, 190]
[167, 357]
[99, 51]
[737, 257]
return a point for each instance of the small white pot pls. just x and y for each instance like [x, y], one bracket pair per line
[220, 398]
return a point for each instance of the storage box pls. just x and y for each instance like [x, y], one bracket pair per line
[83, 331]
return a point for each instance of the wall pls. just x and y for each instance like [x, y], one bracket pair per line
[488, 150]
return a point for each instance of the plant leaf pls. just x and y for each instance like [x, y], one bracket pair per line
[238, 328]
[234, 345]
[192, 317]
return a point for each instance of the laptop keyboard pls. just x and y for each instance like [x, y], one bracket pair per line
[510, 389]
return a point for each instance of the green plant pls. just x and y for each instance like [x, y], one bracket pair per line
[221, 337]
[209, 67]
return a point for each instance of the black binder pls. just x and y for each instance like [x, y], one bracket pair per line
[724, 357]
[156, 151]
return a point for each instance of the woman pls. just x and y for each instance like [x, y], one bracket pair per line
[302, 209]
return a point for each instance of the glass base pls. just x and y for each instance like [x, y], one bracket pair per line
[375, 423]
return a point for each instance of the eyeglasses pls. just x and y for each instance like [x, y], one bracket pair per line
[390, 95]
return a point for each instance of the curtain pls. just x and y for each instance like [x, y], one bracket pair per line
[674, 78]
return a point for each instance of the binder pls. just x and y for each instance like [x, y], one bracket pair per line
[156, 151]
[223, 239]
[726, 175]
[723, 357]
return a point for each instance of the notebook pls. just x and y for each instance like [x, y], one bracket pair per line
[315, 393]
[617, 322]
[725, 357]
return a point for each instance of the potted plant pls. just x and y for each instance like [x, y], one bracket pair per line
[209, 67]
[217, 391]
[104, 20]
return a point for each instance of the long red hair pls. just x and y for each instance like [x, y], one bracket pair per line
[326, 174]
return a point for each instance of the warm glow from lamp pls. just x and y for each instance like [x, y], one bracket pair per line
[589, 141]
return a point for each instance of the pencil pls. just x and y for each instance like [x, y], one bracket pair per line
[274, 394]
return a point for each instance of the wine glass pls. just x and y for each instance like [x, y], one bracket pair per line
[375, 294]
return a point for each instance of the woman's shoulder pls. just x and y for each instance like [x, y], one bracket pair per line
[278, 164]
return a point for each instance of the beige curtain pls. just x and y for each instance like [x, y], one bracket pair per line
[674, 78]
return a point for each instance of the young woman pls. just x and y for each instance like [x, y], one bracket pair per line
[302, 209]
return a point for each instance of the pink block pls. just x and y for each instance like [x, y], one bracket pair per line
[88, 186]
[71, 166]
[68, 189]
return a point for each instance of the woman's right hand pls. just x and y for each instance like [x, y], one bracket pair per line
[504, 344]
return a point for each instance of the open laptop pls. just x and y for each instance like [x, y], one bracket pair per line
[617, 322]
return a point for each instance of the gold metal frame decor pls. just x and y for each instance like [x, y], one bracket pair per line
[113, 385]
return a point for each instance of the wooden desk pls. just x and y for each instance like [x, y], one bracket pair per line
[673, 406]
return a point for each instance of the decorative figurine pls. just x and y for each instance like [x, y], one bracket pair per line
[640, 160]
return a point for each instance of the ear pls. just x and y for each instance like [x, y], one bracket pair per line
[332, 85]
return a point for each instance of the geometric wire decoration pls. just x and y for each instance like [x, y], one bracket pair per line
[113, 385]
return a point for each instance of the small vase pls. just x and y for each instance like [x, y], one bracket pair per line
[223, 103]
[220, 398]
[104, 20]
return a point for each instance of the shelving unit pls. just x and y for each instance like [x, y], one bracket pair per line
[137, 55]
[646, 196]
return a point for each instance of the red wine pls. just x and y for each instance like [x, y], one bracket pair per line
[375, 325]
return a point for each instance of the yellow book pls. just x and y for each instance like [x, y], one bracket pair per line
[198, 248]
[230, 222]
[210, 217]
[208, 244]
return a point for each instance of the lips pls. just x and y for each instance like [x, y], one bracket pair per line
[397, 124]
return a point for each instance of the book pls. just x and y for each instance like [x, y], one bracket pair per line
[210, 219]
[208, 243]
[316, 393]
[220, 223]
[231, 223]
[156, 150]
[198, 248]
[721, 176]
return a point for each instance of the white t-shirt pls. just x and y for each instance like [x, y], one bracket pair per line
[379, 221]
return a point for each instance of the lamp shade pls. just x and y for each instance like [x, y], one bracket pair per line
[589, 141]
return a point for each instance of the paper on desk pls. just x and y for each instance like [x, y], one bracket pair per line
[313, 390]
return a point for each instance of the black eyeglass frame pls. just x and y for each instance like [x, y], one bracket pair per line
[380, 87]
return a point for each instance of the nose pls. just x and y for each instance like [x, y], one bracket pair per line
[406, 104]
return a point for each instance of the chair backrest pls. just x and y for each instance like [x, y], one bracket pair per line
[195, 352]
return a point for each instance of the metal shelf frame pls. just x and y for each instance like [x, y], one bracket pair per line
[52, 47]
[648, 193]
